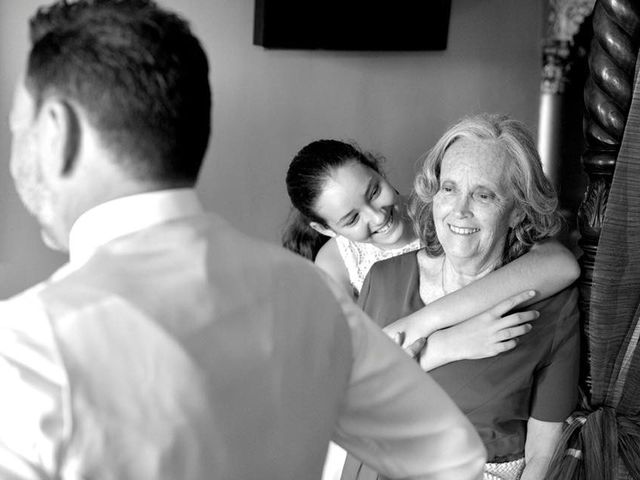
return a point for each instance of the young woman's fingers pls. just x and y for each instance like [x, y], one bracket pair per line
[510, 333]
[416, 347]
[511, 302]
[516, 319]
[396, 335]
[505, 346]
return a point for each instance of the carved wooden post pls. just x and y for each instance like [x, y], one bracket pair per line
[607, 96]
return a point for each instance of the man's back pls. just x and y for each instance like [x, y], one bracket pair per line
[191, 347]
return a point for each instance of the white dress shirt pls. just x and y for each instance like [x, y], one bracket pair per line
[173, 347]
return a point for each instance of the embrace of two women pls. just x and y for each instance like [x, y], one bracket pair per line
[465, 275]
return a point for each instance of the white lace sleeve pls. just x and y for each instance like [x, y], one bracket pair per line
[359, 257]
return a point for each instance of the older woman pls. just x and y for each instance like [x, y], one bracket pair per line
[480, 201]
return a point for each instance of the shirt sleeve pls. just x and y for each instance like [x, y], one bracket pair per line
[396, 418]
[556, 382]
[33, 385]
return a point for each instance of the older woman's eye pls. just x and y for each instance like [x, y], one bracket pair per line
[485, 196]
[446, 188]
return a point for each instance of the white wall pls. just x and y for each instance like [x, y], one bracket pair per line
[269, 103]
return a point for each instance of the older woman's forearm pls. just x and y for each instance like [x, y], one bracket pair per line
[542, 438]
[536, 468]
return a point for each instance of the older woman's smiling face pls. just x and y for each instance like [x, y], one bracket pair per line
[473, 208]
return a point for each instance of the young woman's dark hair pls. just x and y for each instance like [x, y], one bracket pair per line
[306, 177]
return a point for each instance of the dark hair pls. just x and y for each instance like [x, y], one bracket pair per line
[534, 195]
[306, 176]
[138, 73]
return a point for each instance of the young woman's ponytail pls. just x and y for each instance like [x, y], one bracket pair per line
[300, 238]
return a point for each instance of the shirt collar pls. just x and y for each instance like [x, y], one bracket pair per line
[122, 216]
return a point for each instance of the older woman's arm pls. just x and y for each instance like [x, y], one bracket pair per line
[542, 438]
[555, 392]
[547, 268]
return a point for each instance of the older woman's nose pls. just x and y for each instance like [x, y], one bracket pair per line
[461, 206]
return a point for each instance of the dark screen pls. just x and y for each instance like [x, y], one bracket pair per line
[352, 24]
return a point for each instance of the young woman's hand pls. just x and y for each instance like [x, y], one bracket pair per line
[406, 331]
[485, 335]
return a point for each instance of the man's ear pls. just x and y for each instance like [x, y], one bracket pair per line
[61, 135]
[322, 229]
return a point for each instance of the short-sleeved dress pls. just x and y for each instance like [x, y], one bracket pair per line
[537, 379]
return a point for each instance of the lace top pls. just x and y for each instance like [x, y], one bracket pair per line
[358, 257]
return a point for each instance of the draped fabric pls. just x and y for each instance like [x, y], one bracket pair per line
[602, 439]
[615, 299]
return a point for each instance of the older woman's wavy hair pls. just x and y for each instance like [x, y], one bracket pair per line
[533, 194]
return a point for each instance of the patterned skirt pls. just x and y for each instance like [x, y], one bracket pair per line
[504, 471]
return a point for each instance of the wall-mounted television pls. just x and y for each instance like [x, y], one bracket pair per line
[352, 24]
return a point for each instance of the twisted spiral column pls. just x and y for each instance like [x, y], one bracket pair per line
[607, 96]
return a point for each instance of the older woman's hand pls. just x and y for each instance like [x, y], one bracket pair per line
[484, 335]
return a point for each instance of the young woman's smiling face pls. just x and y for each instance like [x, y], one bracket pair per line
[359, 204]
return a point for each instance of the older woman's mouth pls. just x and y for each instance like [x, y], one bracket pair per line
[463, 230]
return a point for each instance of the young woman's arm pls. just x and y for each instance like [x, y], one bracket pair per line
[547, 268]
[484, 335]
[330, 260]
